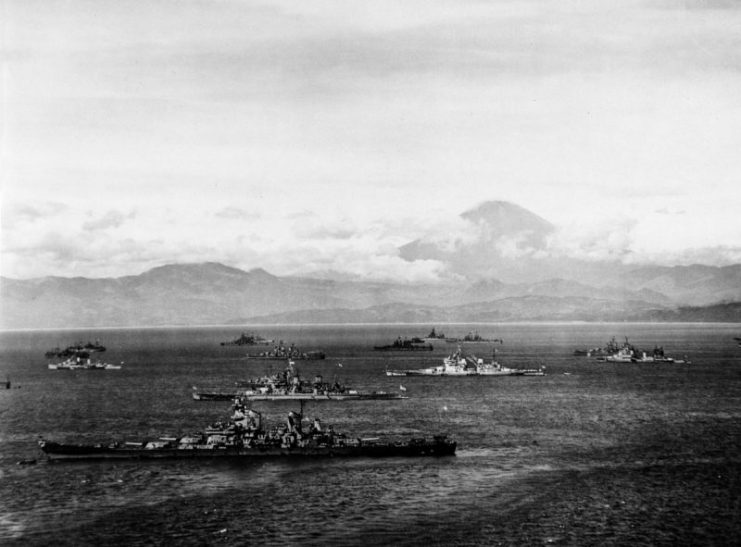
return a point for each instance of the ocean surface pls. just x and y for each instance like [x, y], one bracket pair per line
[590, 454]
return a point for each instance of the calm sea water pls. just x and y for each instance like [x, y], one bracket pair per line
[592, 453]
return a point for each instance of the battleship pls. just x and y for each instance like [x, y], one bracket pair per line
[288, 386]
[281, 352]
[244, 436]
[473, 337]
[317, 396]
[405, 344]
[611, 348]
[248, 340]
[77, 363]
[76, 350]
[631, 354]
[434, 336]
[459, 364]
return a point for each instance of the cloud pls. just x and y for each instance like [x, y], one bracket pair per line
[235, 213]
[112, 219]
[662, 236]
[19, 213]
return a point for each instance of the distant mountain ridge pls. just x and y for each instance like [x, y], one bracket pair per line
[497, 261]
[213, 293]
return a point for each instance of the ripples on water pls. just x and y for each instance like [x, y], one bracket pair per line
[608, 454]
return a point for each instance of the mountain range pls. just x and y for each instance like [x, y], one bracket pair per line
[211, 293]
[493, 286]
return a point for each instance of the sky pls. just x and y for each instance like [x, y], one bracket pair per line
[308, 137]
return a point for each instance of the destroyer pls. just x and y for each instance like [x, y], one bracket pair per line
[243, 436]
[458, 364]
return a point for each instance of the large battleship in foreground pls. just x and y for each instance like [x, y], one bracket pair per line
[243, 436]
[459, 364]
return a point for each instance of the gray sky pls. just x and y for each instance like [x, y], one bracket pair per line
[310, 136]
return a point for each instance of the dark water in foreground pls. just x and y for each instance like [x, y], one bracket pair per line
[592, 453]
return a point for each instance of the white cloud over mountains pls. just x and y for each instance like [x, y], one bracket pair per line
[73, 242]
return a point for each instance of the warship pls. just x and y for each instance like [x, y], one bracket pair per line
[629, 353]
[458, 364]
[77, 363]
[77, 350]
[288, 386]
[248, 340]
[281, 352]
[473, 337]
[434, 336]
[244, 436]
[405, 344]
[610, 348]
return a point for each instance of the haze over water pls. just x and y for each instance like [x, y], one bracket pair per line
[592, 453]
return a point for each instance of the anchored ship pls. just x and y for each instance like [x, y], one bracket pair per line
[459, 364]
[473, 337]
[434, 336]
[243, 436]
[249, 340]
[610, 348]
[405, 344]
[77, 363]
[628, 353]
[288, 386]
[279, 395]
[77, 350]
[281, 352]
